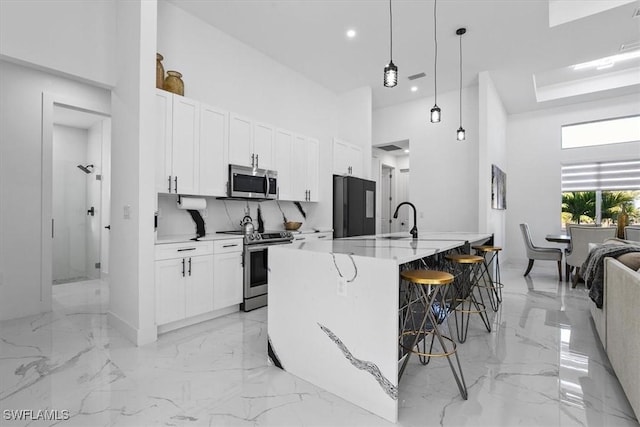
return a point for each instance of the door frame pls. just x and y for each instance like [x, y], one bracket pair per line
[392, 194]
[49, 100]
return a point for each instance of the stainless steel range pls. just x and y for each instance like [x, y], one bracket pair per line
[255, 261]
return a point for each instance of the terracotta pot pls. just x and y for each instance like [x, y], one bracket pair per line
[159, 71]
[173, 83]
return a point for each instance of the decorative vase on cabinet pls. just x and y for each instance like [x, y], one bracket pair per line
[159, 71]
[173, 83]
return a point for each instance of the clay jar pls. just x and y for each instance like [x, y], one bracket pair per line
[159, 71]
[173, 83]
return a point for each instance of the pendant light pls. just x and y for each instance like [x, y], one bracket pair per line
[390, 71]
[460, 133]
[435, 111]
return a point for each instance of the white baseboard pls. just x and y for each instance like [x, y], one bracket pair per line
[137, 336]
[197, 319]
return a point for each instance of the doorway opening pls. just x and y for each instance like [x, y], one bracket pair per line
[387, 199]
[80, 193]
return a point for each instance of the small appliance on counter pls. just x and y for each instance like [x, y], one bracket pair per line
[354, 206]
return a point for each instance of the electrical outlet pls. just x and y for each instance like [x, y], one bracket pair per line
[421, 214]
[126, 214]
[342, 287]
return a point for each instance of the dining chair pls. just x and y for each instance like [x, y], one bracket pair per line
[578, 250]
[539, 253]
[632, 232]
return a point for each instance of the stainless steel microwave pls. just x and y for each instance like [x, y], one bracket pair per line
[252, 183]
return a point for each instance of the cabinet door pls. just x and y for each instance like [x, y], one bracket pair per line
[164, 125]
[199, 285]
[170, 292]
[313, 169]
[240, 140]
[263, 145]
[227, 279]
[354, 154]
[340, 157]
[186, 131]
[298, 168]
[282, 157]
[213, 157]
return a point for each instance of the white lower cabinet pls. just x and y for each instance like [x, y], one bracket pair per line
[227, 279]
[184, 281]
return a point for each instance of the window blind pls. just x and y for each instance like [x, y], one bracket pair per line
[607, 176]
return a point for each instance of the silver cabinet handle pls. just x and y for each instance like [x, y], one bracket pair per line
[252, 159]
[229, 246]
[189, 266]
[257, 161]
[300, 238]
[322, 237]
[169, 183]
[175, 180]
[186, 249]
[182, 267]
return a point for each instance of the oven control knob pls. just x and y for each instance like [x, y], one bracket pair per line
[257, 236]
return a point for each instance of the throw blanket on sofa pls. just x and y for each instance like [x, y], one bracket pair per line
[593, 268]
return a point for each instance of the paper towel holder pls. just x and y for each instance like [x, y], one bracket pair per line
[86, 169]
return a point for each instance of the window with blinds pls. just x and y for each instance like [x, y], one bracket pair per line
[605, 176]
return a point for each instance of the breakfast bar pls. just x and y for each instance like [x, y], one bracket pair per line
[333, 311]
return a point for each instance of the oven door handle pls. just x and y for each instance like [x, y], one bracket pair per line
[256, 248]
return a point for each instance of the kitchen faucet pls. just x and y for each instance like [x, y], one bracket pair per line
[414, 230]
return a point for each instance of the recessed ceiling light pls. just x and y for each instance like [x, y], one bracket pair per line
[406, 151]
[414, 88]
[351, 33]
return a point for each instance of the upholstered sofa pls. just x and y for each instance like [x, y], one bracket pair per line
[618, 323]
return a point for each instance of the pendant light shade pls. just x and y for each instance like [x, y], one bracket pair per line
[435, 111]
[460, 133]
[390, 75]
[390, 71]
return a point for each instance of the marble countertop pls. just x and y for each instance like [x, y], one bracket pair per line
[397, 246]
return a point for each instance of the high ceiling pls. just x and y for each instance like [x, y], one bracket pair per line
[510, 38]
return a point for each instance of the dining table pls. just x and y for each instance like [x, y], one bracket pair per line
[558, 238]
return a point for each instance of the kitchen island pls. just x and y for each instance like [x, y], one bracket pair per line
[333, 311]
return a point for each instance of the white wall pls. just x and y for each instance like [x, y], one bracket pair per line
[73, 38]
[444, 171]
[492, 150]
[69, 203]
[534, 158]
[131, 258]
[21, 291]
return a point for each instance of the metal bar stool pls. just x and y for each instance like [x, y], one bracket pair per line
[468, 271]
[428, 299]
[494, 284]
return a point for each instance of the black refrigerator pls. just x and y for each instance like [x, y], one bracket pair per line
[354, 206]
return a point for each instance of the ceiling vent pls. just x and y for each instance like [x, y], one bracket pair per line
[417, 76]
[389, 147]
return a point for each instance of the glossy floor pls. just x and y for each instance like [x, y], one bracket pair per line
[541, 365]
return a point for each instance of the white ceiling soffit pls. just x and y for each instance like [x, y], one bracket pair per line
[562, 11]
[594, 76]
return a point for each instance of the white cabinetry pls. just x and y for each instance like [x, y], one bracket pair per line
[191, 138]
[347, 158]
[304, 169]
[310, 237]
[250, 143]
[184, 280]
[227, 273]
[213, 151]
[283, 164]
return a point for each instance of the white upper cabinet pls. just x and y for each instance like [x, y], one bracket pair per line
[240, 141]
[164, 126]
[298, 168]
[347, 158]
[185, 150]
[213, 155]
[250, 143]
[313, 169]
[263, 136]
[282, 160]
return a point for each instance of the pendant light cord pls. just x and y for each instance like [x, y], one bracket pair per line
[390, 33]
[460, 80]
[435, 62]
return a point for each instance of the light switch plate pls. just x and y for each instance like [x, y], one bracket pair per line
[126, 212]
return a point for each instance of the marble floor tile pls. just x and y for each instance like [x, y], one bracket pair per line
[541, 365]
